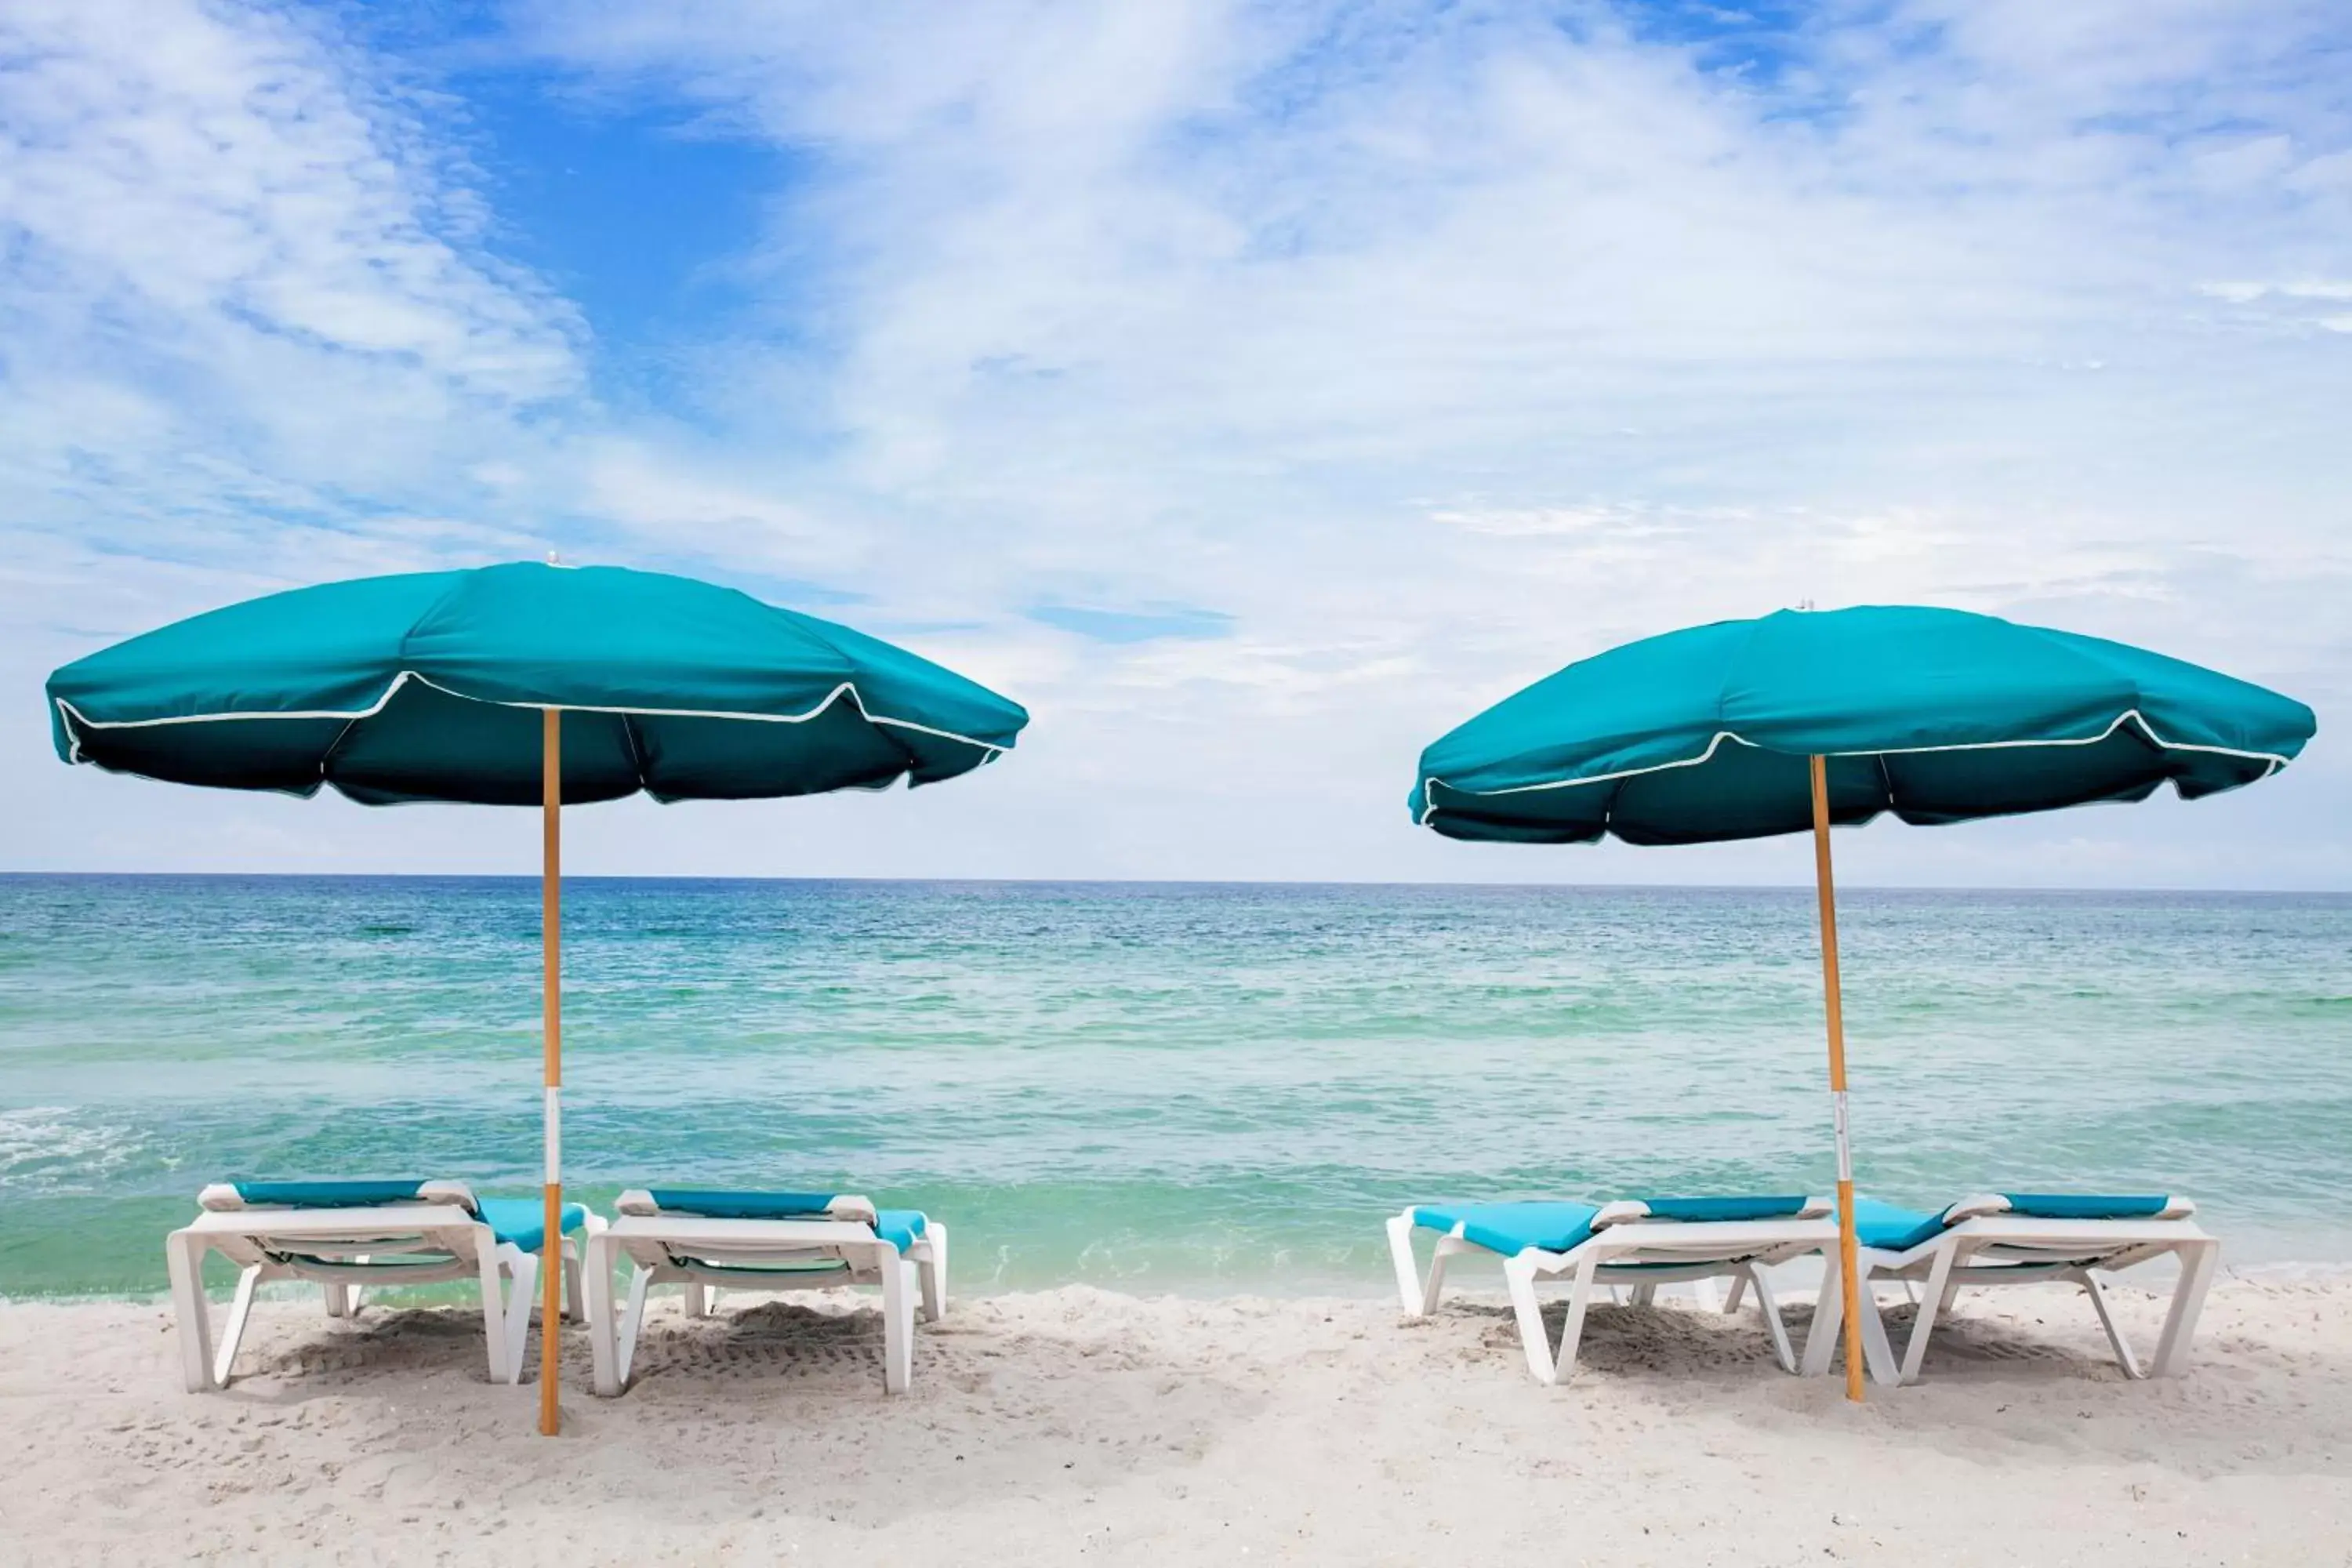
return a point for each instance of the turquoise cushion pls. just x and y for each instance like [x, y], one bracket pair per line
[743, 1205]
[523, 1221]
[1512, 1228]
[900, 1228]
[328, 1195]
[1509, 1228]
[1892, 1229]
[1699, 1211]
[2085, 1205]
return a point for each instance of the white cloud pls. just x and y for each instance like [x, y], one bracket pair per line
[658, 496]
[247, 307]
[1435, 346]
[207, 183]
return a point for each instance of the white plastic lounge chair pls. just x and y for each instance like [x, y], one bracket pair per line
[349, 1234]
[2012, 1239]
[1644, 1244]
[763, 1241]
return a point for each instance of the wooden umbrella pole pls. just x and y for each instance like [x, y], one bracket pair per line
[551, 926]
[1849, 1265]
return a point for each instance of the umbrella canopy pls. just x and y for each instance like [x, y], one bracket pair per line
[1798, 720]
[430, 686]
[524, 684]
[1937, 716]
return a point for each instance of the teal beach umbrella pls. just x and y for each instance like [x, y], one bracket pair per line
[1798, 720]
[524, 684]
[430, 687]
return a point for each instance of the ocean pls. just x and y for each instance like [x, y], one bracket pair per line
[1158, 1087]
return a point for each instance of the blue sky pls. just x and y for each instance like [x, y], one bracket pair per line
[1252, 390]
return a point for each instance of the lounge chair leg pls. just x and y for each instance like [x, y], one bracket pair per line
[522, 1311]
[333, 1291]
[1732, 1298]
[597, 1262]
[1943, 1280]
[1521, 1278]
[1754, 1274]
[1440, 1257]
[183, 1260]
[1821, 1340]
[576, 1305]
[1877, 1354]
[1828, 1316]
[931, 1271]
[2198, 1262]
[1407, 1274]
[1580, 1297]
[898, 1321]
[491, 1284]
[698, 1304]
[1645, 1295]
[234, 1331]
[500, 1315]
[633, 1318]
[2107, 1321]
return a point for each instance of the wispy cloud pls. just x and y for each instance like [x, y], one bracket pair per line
[1433, 345]
[246, 298]
[1151, 624]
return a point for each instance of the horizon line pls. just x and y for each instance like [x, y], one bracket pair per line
[533, 876]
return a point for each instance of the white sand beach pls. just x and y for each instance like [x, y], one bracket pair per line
[1077, 1426]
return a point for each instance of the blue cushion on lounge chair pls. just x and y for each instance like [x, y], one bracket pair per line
[328, 1195]
[1892, 1229]
[743, 1205]
[1512, 1228]
[2085, 1205]
[523, 1221]
[1702, 1211]
[900, 1228]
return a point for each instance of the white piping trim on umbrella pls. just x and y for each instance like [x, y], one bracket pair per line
[1430, 807]
[76, 717]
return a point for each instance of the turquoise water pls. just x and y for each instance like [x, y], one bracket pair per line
[1179, 1087]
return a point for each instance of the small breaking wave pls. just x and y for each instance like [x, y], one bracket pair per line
[50, 1150]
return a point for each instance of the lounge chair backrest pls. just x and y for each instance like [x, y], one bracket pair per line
[709, 1205]
[1710, 1211]
[2070, 1206]
[230, 1198]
